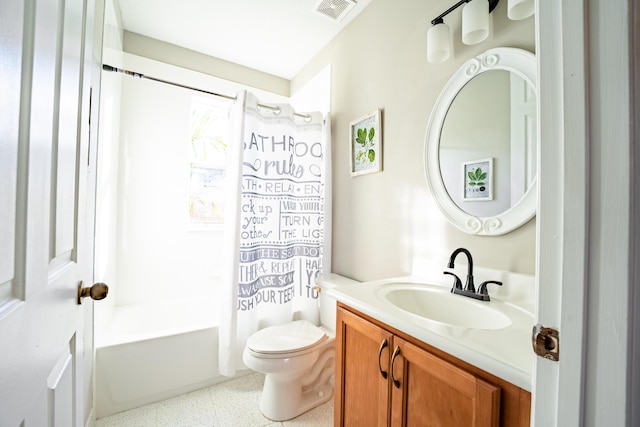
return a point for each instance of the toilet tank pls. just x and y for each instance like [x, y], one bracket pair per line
[328, 304]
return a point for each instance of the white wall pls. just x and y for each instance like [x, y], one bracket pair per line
[316, 94]
[159, 256]
[382, 221]
[167, 53]
[105, 268]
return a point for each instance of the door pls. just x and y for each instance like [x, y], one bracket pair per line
[585, 268]
[46, 219]
[362, 369]
[429, 391]
[562, 212]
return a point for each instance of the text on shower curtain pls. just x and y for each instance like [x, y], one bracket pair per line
[282, 218]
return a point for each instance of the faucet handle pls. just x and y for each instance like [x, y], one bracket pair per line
[457, 283]
[483, 286]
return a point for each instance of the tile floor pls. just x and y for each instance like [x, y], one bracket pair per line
[230, 404]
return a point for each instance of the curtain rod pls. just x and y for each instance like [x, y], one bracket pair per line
[276, 110]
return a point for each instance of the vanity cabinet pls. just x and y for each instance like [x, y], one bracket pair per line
[387, 378]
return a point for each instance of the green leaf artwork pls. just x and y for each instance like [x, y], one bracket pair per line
[477, 180]
[362, 136]
[365, 137]
[477, 177]
[372, 156]
[365, 142]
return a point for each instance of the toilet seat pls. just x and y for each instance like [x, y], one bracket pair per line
[296, 337]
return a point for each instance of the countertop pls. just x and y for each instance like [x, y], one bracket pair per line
[505, 353]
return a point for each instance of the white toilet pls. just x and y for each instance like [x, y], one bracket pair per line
[298, 360]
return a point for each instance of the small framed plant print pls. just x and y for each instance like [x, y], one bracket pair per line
[478, 180]
[366, 144]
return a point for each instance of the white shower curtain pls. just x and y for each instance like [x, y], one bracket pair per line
[277, 222]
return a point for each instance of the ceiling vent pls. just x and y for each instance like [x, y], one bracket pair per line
[335, 9]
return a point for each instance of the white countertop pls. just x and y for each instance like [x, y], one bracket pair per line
[505, 353]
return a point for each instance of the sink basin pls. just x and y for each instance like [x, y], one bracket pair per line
[438, 304]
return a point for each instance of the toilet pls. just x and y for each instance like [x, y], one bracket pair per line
[297, 359]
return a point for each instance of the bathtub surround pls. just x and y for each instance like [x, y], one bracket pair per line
[151, 352]
[275, 231]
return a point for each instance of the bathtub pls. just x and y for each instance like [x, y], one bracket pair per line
[152, 352]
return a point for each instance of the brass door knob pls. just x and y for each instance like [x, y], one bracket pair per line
[97, 292]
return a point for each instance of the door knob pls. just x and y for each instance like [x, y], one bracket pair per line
[97, 292]
[546, 342]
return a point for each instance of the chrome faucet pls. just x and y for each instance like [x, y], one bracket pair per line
[469, 288]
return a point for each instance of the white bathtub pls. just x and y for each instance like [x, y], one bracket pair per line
[153, 352]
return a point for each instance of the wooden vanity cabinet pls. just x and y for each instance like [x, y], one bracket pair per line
[362, 388]
[386, 378]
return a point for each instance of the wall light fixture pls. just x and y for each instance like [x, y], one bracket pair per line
[475, 24]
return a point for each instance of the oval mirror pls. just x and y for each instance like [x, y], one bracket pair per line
[481, 144]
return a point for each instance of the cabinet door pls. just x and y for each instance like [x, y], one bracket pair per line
[362, 366]
[427, 391]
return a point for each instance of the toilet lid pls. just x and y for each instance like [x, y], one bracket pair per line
[287, 338]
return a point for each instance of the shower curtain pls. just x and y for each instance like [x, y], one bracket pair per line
[277, 222]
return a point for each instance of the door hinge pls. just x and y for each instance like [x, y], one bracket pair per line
[546, 342]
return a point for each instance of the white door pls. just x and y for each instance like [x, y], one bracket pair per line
[562, 212]
[555, 403]
[583, 268]
[46, 74]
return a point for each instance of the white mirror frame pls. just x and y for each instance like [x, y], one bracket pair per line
[514, 60]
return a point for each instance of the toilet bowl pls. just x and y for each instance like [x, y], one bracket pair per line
[297, 359]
